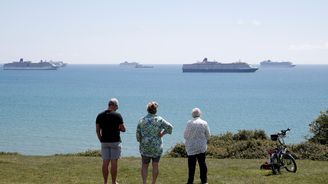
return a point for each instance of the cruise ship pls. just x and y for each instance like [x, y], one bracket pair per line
[213, 66]
[275, 64]
[28, 65]
[58, 63]
[143, 66]
[125, 63]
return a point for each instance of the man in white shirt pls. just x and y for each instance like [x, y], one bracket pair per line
[197, 134]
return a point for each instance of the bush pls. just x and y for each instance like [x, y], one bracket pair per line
[8, 153]
[309, 150]
[243, 135]
[249, 135]
[248, 144]
[228, 136]
[260, 134]
[252, 149]
[88, 153]
[217, 152]
[319, 128]
[179, 150]
[244, 144]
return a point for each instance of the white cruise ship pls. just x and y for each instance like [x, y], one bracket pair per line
[28, 65]
[276, 64]
[213, 66]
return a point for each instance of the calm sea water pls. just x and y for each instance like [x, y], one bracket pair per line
[48, 112]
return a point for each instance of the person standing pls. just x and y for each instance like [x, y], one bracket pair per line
[150, 131]
[109, 124]
[196, 136]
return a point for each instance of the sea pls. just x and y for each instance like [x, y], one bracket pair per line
[54, 112]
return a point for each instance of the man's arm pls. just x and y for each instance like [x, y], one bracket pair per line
[122, 127]
[98, 131]
[186, 133]
[207, 132]
[138, 133]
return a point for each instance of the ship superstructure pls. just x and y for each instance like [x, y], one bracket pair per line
[125, 63]
[214, 66]
[28, 65]
[276, 64]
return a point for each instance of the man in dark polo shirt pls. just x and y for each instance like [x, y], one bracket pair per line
[109, 124]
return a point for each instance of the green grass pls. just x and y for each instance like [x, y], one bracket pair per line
[16, 168]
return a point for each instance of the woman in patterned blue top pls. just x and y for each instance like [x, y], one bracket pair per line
[150, 131]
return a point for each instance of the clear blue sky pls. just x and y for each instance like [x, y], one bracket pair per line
[164, 32]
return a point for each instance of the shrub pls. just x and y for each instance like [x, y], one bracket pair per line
[178, 150]
[309, 150]
[244, 144]
[319, 128]
[228, 136]
[243, 135]
[88, 153]
[247, 144]
[8, 153]
[250, 134]
[260, 134]
[219, 141]
[251, 149]
[217, 152]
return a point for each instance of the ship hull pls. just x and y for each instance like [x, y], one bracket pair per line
[248, 70]
[277, 66]
[143, 66]
[27, 65]
[212, 66]
[29, 68]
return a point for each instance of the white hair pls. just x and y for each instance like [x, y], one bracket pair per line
[196, 112]
[113, 101]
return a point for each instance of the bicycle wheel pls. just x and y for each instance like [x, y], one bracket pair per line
[275, 166]
[289, 163]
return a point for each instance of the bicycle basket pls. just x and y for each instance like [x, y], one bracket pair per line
[274, 137]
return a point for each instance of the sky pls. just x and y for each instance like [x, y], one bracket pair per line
[164, 31]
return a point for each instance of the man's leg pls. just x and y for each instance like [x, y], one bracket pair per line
[113, 170]
[144, 172]
[155, 171]
[202, 167]
[191, 168]
[105, 170]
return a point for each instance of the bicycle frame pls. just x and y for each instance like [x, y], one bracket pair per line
[280, 154]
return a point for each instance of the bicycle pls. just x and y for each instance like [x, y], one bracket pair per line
[280, 157]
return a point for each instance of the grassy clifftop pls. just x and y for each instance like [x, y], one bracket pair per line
[18, 169]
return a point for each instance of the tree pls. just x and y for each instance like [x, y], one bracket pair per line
[319, 128]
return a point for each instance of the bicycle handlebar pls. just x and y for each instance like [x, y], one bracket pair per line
[283, 132]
